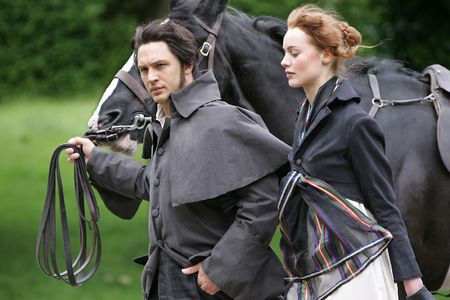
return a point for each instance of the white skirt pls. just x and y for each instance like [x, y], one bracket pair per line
[376, 282]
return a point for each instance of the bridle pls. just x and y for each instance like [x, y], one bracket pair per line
[88, 259]
[115, 132]
[208, 47]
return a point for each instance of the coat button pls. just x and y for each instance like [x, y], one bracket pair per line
[156, 181]
[298, 161]
[155, 212]
[160, 151]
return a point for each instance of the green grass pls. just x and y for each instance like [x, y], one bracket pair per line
[32, 129]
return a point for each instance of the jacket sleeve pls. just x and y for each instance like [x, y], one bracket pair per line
[120, 181]
[372, 169]
[241, 260]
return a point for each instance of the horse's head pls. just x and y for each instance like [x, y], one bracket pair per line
[247, 56]
[124, 99]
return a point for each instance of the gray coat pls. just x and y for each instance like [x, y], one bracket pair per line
[212, 188]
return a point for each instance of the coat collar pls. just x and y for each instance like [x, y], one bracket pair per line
[202, 90]
[344, 92]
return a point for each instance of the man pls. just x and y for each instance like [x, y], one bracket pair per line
[211, 181]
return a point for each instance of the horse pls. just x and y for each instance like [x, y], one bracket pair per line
[247, 56]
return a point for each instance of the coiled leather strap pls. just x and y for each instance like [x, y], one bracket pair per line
[77, 271]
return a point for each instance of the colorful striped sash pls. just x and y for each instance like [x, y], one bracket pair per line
[324, 235]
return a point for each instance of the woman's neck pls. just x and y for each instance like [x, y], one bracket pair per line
[312, 89]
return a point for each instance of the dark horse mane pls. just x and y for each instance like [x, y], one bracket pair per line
[379, 66]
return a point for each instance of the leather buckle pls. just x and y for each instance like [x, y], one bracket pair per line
[206, 48]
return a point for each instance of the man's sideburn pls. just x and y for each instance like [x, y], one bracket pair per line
[182, 77]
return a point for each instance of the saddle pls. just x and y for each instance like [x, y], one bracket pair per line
[440, 86]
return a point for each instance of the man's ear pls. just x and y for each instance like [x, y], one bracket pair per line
[188, 69]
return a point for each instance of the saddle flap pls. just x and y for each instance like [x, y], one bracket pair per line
[440, 87]
[441, 76]
[443, 135]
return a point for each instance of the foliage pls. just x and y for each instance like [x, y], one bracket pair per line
[55, 47]
[59, 46]
[417, 33]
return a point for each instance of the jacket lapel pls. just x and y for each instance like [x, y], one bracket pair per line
[322, 114]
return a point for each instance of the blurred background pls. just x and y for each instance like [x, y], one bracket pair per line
[56, 59]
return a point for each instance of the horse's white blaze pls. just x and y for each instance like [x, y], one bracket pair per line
[108, 92]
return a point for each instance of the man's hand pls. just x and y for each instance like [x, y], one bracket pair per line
[203, 280]
[87, 145]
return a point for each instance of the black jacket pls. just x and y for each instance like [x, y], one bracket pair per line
[344, 146]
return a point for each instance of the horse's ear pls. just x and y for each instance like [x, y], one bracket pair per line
[271, 26]
[221, 5]
[210, 9]
[205, 9]
[180, 5]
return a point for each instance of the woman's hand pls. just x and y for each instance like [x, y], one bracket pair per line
[86, 144]
[415, 290]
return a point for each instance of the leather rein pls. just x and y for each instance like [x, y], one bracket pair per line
[78, 270]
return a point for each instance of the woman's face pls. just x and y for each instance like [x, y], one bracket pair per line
[303, 62]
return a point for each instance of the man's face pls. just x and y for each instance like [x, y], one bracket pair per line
[161, 71]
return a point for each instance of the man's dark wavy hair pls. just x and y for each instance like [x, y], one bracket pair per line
[179, 39]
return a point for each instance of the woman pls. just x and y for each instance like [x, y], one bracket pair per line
[337, 204]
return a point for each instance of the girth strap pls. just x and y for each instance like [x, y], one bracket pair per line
[133, 85]
[88, 259]
[376, 94]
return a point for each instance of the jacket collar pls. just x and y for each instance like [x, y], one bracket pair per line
[202, 90]
[344, 92]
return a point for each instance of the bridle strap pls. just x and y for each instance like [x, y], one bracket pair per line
[87, 261]
[208, 47]
[133, 85]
